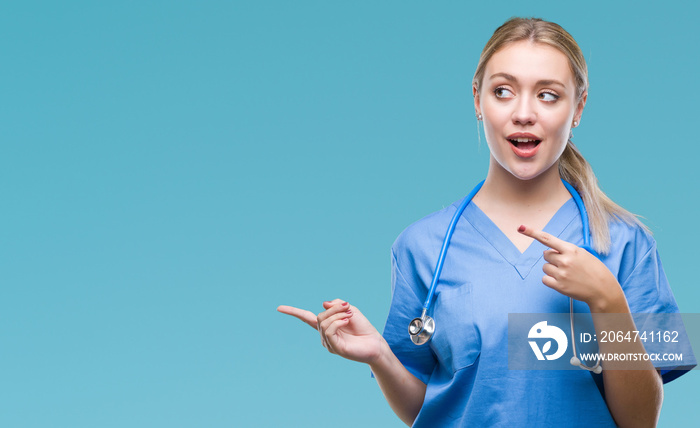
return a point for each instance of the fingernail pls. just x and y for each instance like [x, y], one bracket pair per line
[348, 312]
[344, 304]
[521, 229]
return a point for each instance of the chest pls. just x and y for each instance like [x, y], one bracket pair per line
[506, 221]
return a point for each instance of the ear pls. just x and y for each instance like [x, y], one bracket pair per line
[477, 99]
[579, 108]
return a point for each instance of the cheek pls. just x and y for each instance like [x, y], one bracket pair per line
[494, 122]
[492, 134]
[561, 129]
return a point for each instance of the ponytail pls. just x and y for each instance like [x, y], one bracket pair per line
[601, 209]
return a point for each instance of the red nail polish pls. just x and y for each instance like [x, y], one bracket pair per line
[521, 229]
[344, 304]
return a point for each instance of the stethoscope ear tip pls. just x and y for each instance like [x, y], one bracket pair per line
[597, 369]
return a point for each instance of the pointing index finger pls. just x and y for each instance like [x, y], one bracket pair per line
[544, 238]
[306, 316]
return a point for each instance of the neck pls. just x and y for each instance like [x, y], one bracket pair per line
[504, 187]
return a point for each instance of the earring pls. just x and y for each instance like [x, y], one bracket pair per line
[575, 124]
[479, 116]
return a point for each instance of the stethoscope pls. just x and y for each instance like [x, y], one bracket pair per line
[421, 329]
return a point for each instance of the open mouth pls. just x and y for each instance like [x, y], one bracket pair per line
[524, 143]
[524, 146]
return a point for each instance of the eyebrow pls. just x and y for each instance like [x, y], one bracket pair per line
[544, 82]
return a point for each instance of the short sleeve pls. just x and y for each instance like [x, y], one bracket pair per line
[406, 304]
[648, 292]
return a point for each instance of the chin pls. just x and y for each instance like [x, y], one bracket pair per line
[524, 170]
[525, 175]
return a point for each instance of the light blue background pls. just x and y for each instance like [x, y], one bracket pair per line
[172, 171]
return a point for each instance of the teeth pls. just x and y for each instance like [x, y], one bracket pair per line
[523, 140]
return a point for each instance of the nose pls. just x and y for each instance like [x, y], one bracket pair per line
[524, 113]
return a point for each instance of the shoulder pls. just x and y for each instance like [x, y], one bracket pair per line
[423, 236]
[629, 242]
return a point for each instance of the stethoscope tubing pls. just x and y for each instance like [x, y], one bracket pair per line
[446, 243]
[443, 252]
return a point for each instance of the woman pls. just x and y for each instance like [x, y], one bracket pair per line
[530, 89]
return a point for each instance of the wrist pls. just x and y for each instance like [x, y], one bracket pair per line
[383, 358]
[611, 301]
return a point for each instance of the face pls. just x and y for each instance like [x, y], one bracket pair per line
[528, 102]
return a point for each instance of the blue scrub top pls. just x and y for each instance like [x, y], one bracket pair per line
[485, 277]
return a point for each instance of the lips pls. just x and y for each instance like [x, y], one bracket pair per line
[524, 145]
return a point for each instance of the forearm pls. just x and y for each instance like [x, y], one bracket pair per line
[634, 397]
[403, 391]
[633, 389]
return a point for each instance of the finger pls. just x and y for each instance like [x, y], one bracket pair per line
[325, 318]
[333, 324]
[554, 257]
[338, 306]
[327, 322]
[334, 309]
[545, 238]
[550, 282]
[550, 270]
[329, 328]
[306, 316]
[328, 304]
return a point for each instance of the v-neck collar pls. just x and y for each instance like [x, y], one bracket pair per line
[522, 262]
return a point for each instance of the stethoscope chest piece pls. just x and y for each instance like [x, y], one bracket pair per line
[421, 329]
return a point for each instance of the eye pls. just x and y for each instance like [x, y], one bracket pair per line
[502, 92]
[548, 96]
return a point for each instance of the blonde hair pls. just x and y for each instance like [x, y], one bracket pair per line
[572, 166]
